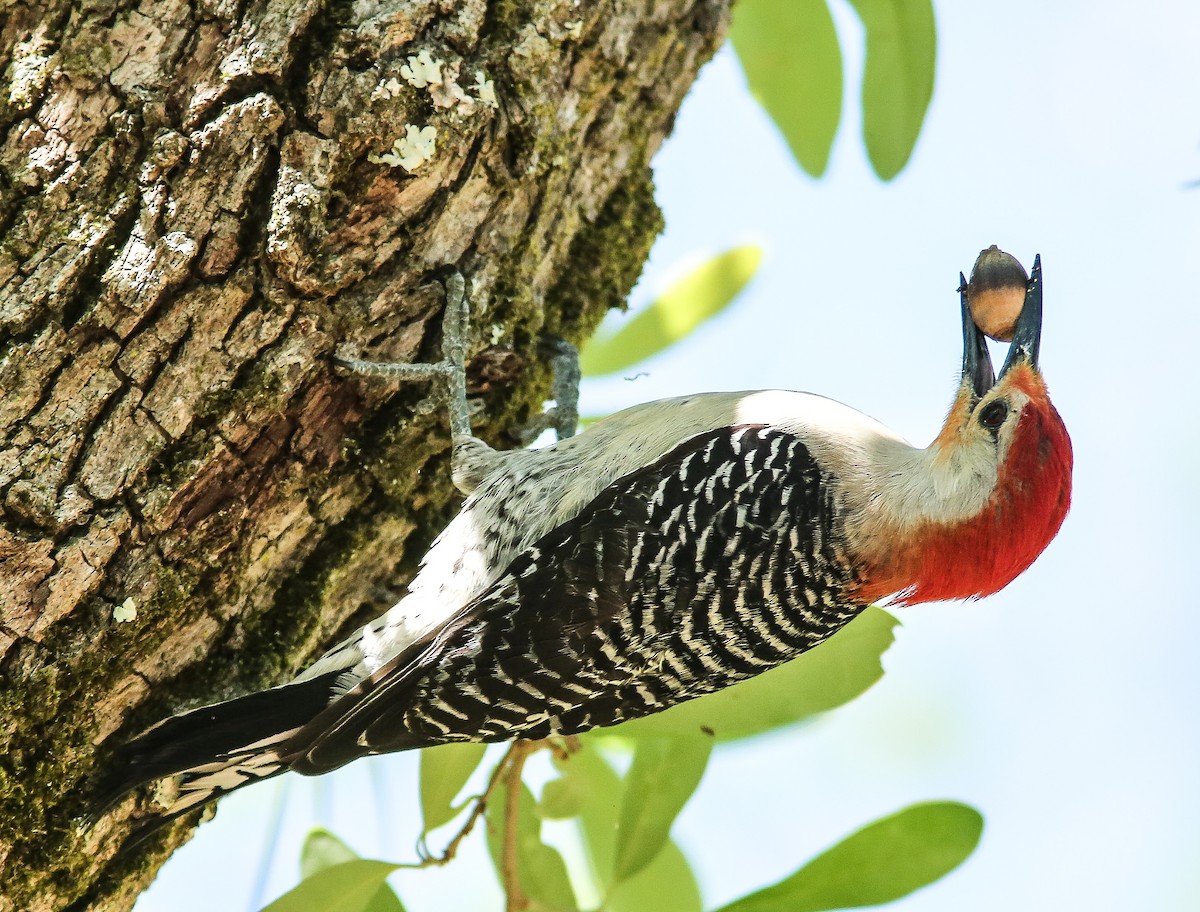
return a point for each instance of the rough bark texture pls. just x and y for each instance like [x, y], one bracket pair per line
[193, 213]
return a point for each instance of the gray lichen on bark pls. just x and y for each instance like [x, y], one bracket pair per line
[196, 206]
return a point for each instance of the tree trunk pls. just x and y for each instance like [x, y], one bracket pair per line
[199, 199]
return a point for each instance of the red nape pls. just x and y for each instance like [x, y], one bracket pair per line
[983, 555]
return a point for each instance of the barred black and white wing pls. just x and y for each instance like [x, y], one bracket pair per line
[722, 559]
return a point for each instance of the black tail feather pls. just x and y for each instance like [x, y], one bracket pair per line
[213, 733]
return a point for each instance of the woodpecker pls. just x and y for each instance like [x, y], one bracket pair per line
[669, 551]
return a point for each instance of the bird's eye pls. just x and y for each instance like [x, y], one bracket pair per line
[992, 415]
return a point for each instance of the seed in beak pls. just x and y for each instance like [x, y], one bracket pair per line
[996, 293]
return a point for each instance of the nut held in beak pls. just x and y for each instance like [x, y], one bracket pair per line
[996, 293]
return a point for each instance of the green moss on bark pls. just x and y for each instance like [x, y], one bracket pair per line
[606, 258]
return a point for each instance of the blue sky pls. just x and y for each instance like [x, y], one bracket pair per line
[1065, 708]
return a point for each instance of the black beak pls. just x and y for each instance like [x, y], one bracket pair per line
[977, 363]
[1027, 337]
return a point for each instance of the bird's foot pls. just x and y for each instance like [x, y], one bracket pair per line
[472, 459]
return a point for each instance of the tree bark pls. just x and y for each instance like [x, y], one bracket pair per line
[199, 199]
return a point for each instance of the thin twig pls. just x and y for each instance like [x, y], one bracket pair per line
[477, 811]
[510, 874]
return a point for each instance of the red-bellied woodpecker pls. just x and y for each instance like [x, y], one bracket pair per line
[671, 550]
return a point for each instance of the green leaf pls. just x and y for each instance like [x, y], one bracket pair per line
[882, 862]
[444, 771]
[667, 884]
[898, 78]
[598, 811]
[563, 798]
[385, 900]
[351, 886]
[664, 774]
[323, 850]
[541, 870]
[790, 54]
[821, 679]
[701, 294]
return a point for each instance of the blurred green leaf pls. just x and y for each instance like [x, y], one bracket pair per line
[882, 862]
[701, 294]
[667, 884]
[898, 78]
[385, 900]
[821, 679]
[351, 886]
[541, 870]
[563, 798]
[598, 811]
[790, 54]
[323, 850]
[445, 769]
[664, 774]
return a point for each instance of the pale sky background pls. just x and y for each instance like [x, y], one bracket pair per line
[1066, 707]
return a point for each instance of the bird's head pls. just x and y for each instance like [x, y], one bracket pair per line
[996, 482]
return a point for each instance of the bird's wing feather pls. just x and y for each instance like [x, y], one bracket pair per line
[714, 563]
